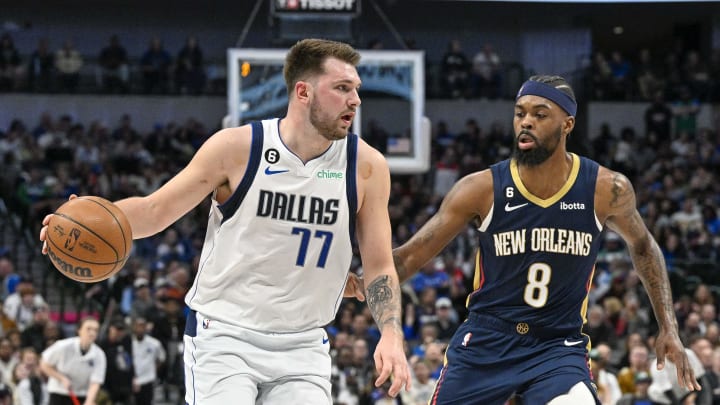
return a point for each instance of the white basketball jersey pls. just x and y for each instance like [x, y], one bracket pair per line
[277, 252]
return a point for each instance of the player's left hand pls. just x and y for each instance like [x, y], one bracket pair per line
[668, 345]
[355, 287]
[390, 362]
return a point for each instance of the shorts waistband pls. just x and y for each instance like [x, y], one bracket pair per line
[520, 328]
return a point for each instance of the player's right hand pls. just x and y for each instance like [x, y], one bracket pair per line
[44, 230]
[391, 363]
[355, 287]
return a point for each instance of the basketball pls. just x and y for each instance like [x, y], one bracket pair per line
[88, 239]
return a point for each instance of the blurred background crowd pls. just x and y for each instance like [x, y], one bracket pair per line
[672, 161]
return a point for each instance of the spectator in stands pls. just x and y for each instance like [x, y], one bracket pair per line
[190, 68]
[639, 362]
[447, 171]
[598, 327]
[75, 366]
[647, 75]
[447, 319]
[8, 360]
[434, 355]
[689, 218]
[455, 71]
[608, 388]
[113, 74]
[155, 64]
[9, 277]
[11, 70]
[486, 76]
[422, 386]
[148, 356]
[431, 275]
[658, 119]
[696, 74]
[20, 305]
[30, 385]
[714, 375]
[639, 396]
[673, 248]
[168, 328]
[119, 372]
[708, 316]
[600, 77]
[68, 63]
[685, 110]
[691, 328]
[34, 334]
[620, 77]
[143, 302]
[362, 369]
[41, 68]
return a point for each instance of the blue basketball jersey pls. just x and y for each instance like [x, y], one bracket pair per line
[537, 256]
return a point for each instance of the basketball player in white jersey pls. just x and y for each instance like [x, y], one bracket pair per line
[288, 197]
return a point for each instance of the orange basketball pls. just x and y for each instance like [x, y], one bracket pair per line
[89, 239]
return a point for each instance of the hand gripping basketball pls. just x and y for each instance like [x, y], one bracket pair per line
[87, 239]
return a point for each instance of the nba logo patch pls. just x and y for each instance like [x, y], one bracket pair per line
[466, 339]
[206, 323]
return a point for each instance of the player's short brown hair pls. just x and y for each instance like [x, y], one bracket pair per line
[307, 56]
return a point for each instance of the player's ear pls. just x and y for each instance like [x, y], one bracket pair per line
[568, 124]
[303, 90]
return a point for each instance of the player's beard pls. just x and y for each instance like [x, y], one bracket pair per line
[326, 126]
[540, 153]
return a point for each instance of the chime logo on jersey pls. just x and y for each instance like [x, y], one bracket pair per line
[330, 174]
[298, 208]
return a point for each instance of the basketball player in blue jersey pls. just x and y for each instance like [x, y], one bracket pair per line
[289, 195]
[539, 216]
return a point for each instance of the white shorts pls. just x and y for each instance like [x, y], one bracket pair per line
[226, 364]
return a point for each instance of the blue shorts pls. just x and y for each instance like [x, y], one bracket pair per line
[488, 360]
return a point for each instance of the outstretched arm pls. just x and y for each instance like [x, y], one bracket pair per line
[383, 289]
[223, 156]
[618, 199]
[469, 199]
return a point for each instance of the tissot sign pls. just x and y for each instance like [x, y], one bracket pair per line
[316, 6]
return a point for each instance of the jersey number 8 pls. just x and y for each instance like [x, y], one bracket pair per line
[536, 291]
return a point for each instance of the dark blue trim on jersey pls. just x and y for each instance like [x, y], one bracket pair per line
[191, 324]
[229, 207]
[351, 181]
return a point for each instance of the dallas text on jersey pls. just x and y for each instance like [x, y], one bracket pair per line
[297, 208]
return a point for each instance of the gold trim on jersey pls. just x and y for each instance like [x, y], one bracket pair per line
[544, 203]
[476, 277]
[584, 308]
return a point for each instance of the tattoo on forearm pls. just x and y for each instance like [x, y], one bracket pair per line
[384, 302]
[650, 265]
